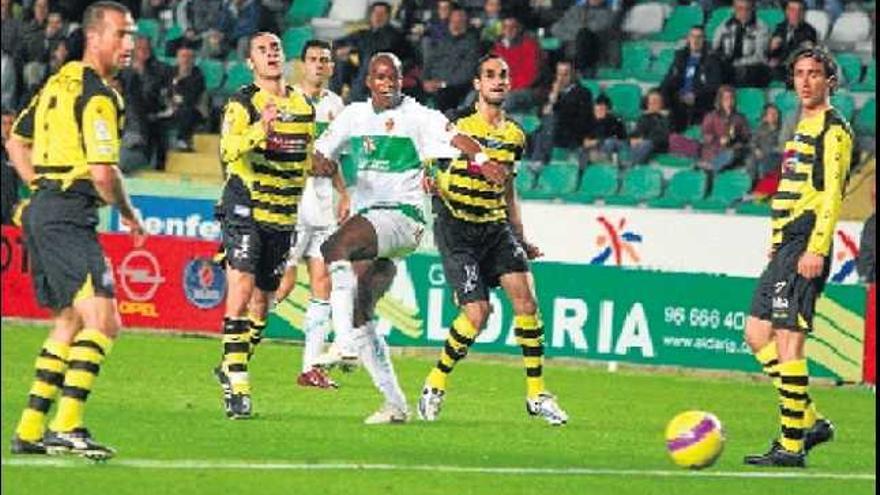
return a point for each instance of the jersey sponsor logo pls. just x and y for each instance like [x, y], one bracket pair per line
[789, 160]
[204, 283]
[617, 244]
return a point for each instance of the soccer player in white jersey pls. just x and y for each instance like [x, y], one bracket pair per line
[316, 218]
[390, 137]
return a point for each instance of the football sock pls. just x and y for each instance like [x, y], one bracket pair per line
[342, 293]
[50, 365]
[793, 397]
[255, 333]
[529, 335]
[768, 356]
[88, 350]
[461, 336]
[236, 344]
[316, 326]
[376, 357]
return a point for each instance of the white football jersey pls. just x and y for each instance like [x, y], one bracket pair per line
[316, 205]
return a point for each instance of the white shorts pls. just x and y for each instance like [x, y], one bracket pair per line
[308, 242]
[398, 234]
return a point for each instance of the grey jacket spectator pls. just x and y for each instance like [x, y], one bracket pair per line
[203, 15]
[741, 43]
[33, 42]
[788, 35]
[596, 18]
[690, 84]
[866, 261]
[450, 63]
[8, 81]
[12, 29]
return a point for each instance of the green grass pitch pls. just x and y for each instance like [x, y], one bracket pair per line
[157, 403]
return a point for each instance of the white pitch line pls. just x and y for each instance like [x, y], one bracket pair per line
[187, 464]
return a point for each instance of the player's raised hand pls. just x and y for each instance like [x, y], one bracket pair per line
[810, 265]
[494, 172]
[322, 167]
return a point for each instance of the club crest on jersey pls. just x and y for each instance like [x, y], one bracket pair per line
[789, 160]
[389, 125]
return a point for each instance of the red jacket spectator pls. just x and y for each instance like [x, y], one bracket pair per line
[521, 52]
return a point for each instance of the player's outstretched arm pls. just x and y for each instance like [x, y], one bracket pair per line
[493, 171]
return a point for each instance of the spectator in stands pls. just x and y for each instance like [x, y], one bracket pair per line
[437, 26]
[381, 36]
[763, 153]
[566, 116]
[9, 180]
[11, 30]
[589, 31]
[692, 80]
[489, 22]
[788, 35]
[189, 38]
[240, 19]
[187, 88]
[203, 15]
[524, 57]
[450, 63]
[741, 43]
[651, 134]
[154, 79]
[867, 258]
[33, 54]
[133, 151]
[8, 81]
[213, 45]
[725, 133]
[606, 136]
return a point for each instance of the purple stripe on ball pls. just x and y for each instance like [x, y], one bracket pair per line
[697, 433]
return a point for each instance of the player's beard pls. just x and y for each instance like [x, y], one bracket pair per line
[495, 101]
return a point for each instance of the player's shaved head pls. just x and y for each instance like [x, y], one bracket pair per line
[387, 58]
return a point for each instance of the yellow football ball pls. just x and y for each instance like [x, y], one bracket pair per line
[694, 439]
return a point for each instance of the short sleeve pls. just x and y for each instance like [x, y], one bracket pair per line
[435, 135]
[23, 126]
[336, 136]
[100, 129]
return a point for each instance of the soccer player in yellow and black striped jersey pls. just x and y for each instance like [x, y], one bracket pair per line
[265, 144]
[479, 234]
[806, 207]
[65, 145]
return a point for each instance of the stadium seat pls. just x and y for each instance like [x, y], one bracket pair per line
[525, 180]
[869, 81]
[750, 102]
[341, 12]
[598, 182]
[680, 21]
[593, 85]
[635, 59]
[172, 33]
[301, 12]
[865, 122]
[729, 187]
[719, 15]
[660, 66]
[694, 132]
[850, 28]
[844, 103]
[555, 181]
[820, 21]
[851, 67]
[529, 122]
[640, 184]
[149, 28]
[627, 100]
[771, 17]
[645, 19]
[237, 75]
[675, 161]
[757, 208]
[213, 71]
[685, 187]
[294, 39]
[787, 101]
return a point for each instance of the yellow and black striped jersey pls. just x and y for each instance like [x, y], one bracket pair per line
[464, 191]
[73, 122]
[815, 168]
[273, 166]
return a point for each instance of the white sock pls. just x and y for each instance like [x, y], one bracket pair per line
[376, 358]
[343, 289]
[316, 326]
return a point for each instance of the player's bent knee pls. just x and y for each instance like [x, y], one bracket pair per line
[758, 333]
[525, 305]
[477, 312]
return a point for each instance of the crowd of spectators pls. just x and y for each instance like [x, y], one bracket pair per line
[440, 42]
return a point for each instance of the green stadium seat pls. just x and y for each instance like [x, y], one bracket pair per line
[844, 103]
[719, 15]
[172, 33]
[635, 60]
[555, 181]
[560, 155]
[771, 17]
[660, 66]
[757, 208]
[729, 188]
[869, 81]
[679, 22]
[529, 122]
[149, 28]
[865, 121]
[676, 161]
[302, 11]
[525, 181]
[627, 100]
[694, 132]
[787, 101]
[213, 71]
[851, 67]
[598, 182]
[750, 102]
[593, 85]
[685, 187]
[640, 184]
[294, 39]
[548, 44]
[237, 75]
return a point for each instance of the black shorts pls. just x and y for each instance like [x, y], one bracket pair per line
[66, 260]
[783, 297]
[251, 247]
[476, 255]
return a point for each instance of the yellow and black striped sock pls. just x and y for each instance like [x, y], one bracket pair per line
[794, 380]
[50, 365]
[236, 345]
[768, 356]
[257, 326]
[461, 337]
[529, 335]
[88, 350]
